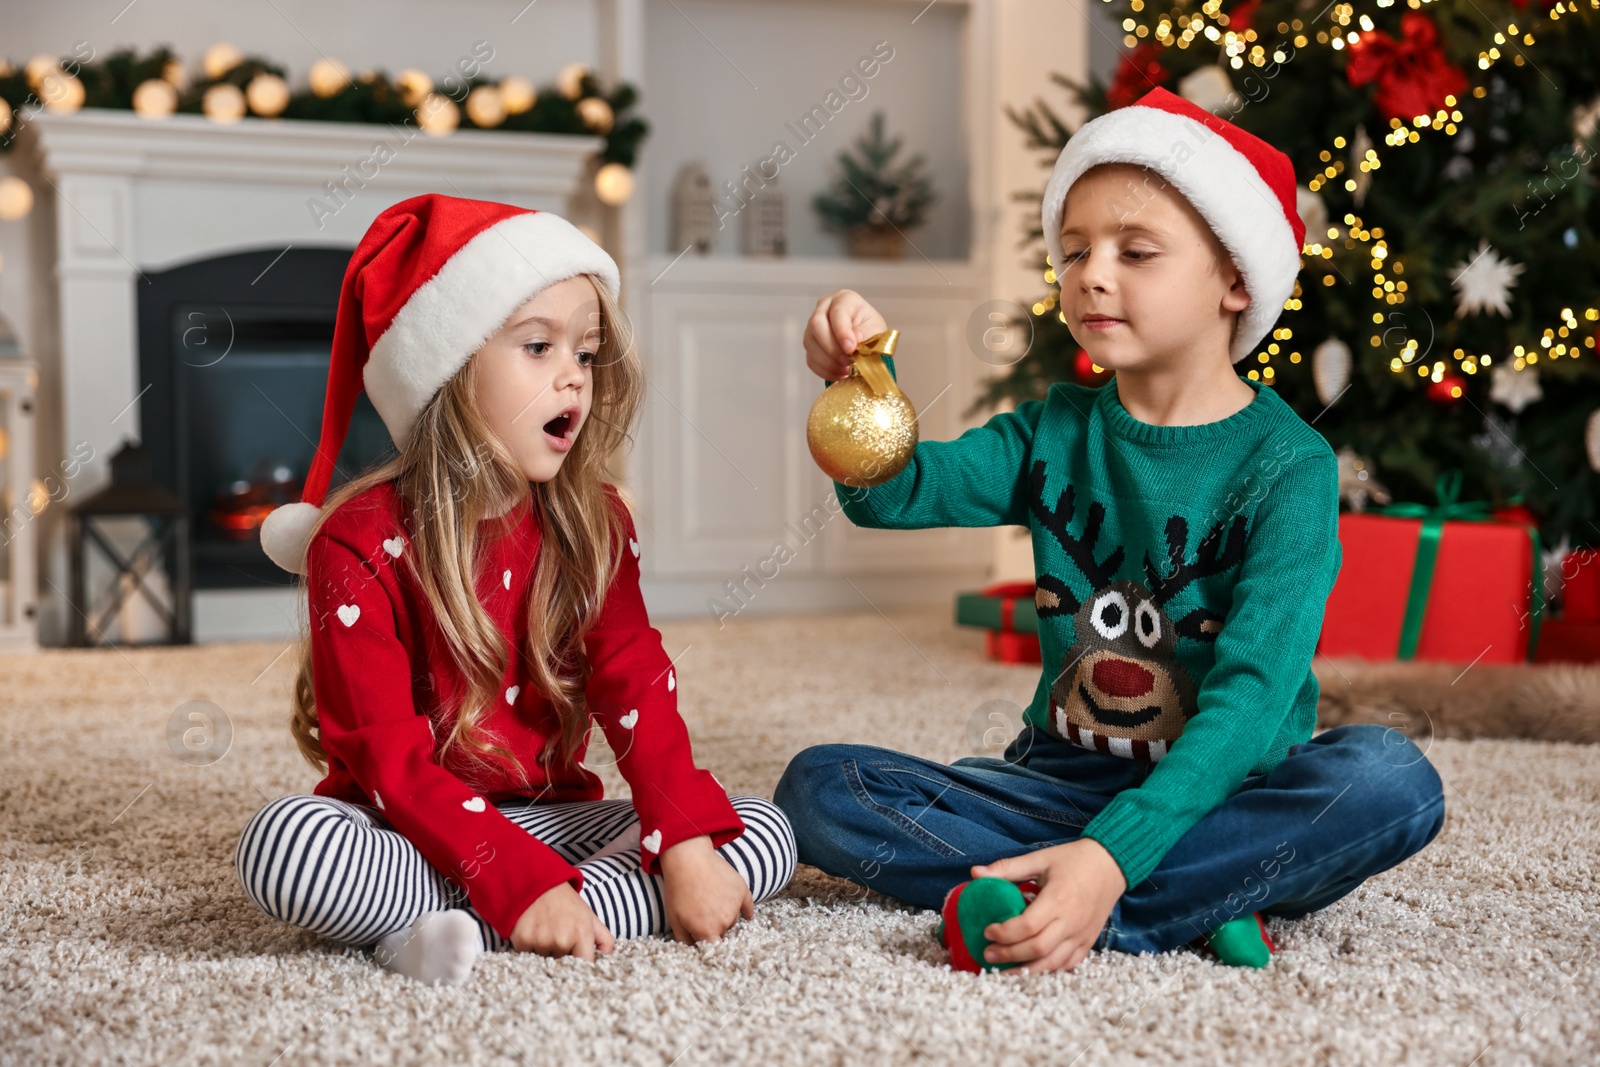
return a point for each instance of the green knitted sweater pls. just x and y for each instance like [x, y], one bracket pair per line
[1181, 576]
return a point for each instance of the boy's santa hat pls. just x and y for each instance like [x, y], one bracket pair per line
[1242, 186]
[433, 278]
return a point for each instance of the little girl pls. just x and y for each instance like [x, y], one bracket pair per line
[474, 604]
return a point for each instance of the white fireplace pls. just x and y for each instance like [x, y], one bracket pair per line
[121, 197]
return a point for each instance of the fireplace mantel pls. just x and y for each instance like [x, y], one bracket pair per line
[124, 195]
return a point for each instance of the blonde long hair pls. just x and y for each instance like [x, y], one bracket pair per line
[453, 473]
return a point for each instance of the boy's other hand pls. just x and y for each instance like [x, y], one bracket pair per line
[1079, 883]
[839, 323]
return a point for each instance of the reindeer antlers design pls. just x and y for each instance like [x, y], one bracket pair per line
[1079, 549]
[1211, 557]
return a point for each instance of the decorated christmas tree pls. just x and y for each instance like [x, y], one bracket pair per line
[1446, 313]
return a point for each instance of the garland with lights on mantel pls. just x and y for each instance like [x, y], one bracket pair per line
[230, 85]
[1446, 313]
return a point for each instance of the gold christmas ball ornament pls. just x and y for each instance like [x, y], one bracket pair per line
[863, 430]
[267, 95]
[484, 107]
[221, 58]
[5, 116]
[328, 77]
[517, 94]
[155, 99]
[223, 102]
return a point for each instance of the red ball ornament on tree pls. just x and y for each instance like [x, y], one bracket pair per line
[1085, 370]
[1447, 390]
[1137, 74]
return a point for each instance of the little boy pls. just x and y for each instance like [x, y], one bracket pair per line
[1165, 788]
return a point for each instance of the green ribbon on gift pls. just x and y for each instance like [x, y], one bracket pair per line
[1451, 508]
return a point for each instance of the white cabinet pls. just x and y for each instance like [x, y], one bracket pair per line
[725, 482]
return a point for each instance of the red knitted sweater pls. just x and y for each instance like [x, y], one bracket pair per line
[383, 678]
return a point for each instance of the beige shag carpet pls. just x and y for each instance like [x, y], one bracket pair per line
[125, 939]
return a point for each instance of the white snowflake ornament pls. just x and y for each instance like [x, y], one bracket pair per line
[1485, 283]
[1516, 389]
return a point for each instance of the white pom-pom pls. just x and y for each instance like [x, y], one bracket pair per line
[286, 533]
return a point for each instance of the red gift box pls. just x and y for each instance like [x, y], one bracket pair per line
[1479, 604]
[995, 609]
[1567, 641]
[1580, 580]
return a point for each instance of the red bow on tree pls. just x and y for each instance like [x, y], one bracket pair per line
[1413, 74]
[1137, 74]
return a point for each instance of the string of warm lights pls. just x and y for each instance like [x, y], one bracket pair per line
[1239, 48]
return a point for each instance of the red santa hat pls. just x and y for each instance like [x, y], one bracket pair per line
[432, 279]
[1242, 186]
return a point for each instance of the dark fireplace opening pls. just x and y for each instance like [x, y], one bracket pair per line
[233, 358]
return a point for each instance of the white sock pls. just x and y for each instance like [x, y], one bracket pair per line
[439, 948]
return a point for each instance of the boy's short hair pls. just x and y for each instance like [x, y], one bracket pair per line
[1240, 185]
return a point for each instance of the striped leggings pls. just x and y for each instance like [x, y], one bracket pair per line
[341, 870]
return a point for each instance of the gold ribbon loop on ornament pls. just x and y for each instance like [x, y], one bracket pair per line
[868, 362]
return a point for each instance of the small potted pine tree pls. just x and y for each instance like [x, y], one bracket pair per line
[874, 201]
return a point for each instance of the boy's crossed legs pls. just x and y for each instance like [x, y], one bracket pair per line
[1340, 808]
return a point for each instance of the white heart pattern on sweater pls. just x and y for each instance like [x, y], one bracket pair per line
[376, 799]
[634, 547]
[349, 613]
[394, 546]
[475, 804]
[629, 719]
[652, 841]
[505, 579]
[672, 681]
[511, 694]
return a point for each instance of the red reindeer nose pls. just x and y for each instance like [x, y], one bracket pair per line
[1122, 678]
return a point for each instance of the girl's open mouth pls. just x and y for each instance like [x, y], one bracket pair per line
[561, 431]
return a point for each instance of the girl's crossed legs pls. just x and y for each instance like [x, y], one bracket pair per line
[340, 870]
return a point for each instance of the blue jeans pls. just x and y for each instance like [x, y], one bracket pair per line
[1349, 803]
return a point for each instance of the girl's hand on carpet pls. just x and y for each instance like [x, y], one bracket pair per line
[839, 321]
[1079, 883]
[559, 923]
[704, 895]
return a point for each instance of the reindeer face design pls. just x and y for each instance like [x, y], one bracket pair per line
[1121, 688]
